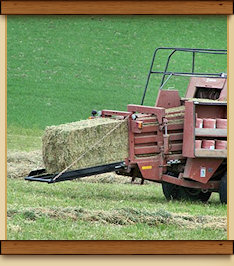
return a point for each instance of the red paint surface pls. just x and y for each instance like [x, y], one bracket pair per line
[193, 168]
[221, 144]
[211, 111]
[150, 147]
[214, 185]
[199, 122]
[168, 99]
[221, 123]
[189, 134]
[198, 143]
[208, 144]
[209, 123]
[217, 83]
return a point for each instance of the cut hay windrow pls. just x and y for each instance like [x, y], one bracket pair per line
[124, 217]
[20, 163]
[63, 144]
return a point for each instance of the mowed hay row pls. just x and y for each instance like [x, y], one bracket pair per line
[63, 144]
[20, 163]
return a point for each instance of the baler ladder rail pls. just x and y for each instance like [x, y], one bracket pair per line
[41, 176]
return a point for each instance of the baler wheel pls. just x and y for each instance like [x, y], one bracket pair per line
[171, 191]
[194, 194]
[174, 192]
[223, 189]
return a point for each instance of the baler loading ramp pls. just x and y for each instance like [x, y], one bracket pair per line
[41, 176]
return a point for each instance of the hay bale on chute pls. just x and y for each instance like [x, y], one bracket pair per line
[63, 144]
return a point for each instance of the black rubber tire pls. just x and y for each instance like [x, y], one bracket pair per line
[193, 194]
[174, 192]
[170, 191]
[223, 189]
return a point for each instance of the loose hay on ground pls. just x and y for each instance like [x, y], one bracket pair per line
[19, 164]
[125, 216]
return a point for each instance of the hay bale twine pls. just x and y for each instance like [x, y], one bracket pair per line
[63, 144]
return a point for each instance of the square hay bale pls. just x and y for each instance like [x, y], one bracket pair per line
[63, 144]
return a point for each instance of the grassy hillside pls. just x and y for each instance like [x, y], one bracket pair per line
[62, 67]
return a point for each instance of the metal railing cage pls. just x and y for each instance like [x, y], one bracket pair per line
[166, 75]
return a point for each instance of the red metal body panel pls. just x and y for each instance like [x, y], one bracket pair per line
[223, 93]
[176, 136]
[196, 82]
[146, 149]
[157, 111]
[168, 99]
[113, 113]
[150, 168]
[136, 126]
[212, 185]
[189, 135]
[150, 128]
[146, 139]
[211, 111]
[154, 141]
[166, 144]
[201, 169]
[176, 126]
[131, 143]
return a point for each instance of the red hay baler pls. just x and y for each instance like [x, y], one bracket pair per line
[166, 143]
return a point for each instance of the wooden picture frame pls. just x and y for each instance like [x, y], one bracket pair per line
[126, 7]
[13, 7]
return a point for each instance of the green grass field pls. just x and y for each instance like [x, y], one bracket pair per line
[83, 210]
[62, 67]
